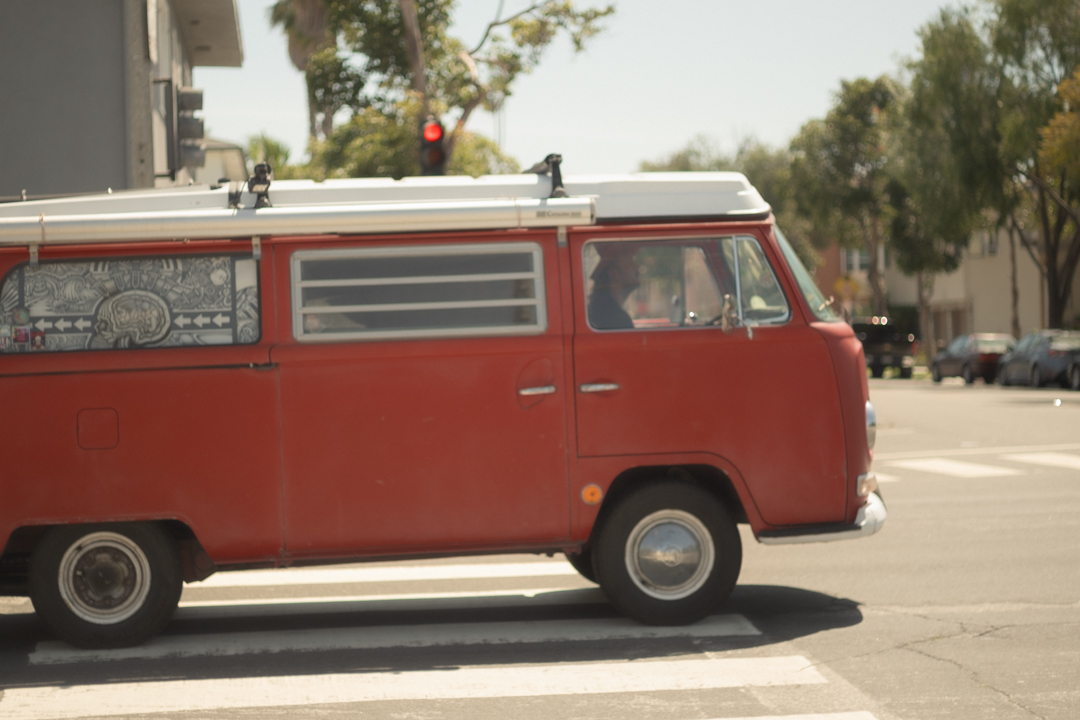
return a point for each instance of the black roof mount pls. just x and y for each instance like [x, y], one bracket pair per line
[550, 166]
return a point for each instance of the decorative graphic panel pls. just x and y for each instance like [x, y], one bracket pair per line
[130, 303]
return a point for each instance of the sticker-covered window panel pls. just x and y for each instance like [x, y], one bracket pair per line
[130, 303]
[373, 293]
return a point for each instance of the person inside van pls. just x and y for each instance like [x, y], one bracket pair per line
[615, 277]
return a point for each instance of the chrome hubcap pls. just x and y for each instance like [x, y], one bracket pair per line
[104, 578]
[670, 554]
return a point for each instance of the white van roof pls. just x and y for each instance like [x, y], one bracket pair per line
[380, 205]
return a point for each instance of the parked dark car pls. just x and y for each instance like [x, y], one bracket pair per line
[1041, 358]
[886, 344]
[972, 356]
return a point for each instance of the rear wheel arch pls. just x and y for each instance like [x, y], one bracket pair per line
[196, 564]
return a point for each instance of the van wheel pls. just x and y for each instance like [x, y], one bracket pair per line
[905, 373]
[877, 371]
[668, 554]
[103, 586]
[582, 562]
[968, 375]
[1035, 378]
[935, 373]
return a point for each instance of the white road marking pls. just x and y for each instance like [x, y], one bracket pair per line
[378, 573]
[955, 468]
[889, 432]
[883, 478]
[973, 451]
[1050, 459]
[812, 716]
[367, 638]
[110, 699]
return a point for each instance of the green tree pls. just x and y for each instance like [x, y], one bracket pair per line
[943, 172]
[991, 81]
[379, 143]
[411, 67]
[839, 173]
[304, 23]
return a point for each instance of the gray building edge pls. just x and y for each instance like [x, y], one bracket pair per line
[83, 87]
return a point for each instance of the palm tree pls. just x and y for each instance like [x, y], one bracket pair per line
[304, 22]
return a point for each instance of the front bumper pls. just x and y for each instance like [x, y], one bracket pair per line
[870, 519]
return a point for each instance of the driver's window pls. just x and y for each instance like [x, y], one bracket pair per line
[957, 345]
[657, 284]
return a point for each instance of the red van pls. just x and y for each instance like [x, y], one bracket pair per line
[619, 368]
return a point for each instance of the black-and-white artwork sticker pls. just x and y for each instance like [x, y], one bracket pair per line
[130, 303]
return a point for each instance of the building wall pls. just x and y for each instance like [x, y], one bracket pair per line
[978, 296]
[62, 127]
[83, 86]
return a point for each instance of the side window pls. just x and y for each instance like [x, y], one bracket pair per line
[654, 284]
[957, 345]
[130, 303]
[407, 292]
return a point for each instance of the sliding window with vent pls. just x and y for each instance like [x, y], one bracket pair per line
[413, 292]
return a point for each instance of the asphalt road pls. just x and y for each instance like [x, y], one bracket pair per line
[966, 605]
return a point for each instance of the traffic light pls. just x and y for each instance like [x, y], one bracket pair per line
[190, 151]
[432, 154]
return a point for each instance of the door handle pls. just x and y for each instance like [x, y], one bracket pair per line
[542, 390]
[598, 387]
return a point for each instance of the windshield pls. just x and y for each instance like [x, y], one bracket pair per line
[819, 304]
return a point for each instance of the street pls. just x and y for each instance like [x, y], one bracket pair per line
[966, 605]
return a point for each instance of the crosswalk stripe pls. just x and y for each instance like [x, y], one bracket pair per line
[369, 638]
[813, 716]
[1050, 459]
[910, 455]
[111, 699]
[954, 468]
[378, 573]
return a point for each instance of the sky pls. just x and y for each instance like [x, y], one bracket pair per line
[662, 73]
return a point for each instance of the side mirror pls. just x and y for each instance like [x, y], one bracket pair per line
[729, 319]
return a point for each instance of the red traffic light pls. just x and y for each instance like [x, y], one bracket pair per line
[433, 131]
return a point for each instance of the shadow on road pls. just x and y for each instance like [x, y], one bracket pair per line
[780, 613]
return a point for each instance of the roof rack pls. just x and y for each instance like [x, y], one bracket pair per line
[383, 205]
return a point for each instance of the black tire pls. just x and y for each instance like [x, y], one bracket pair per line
[105, 586]
[583, 563]
[968, 375]
[1035, 378]
[935, 373]
[905, 373]
[695, 560]
[1074, 378]
[877, 371]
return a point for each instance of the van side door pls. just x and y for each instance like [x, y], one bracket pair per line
[423, 394]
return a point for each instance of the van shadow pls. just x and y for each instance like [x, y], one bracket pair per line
[780, 613]
[787, 613]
